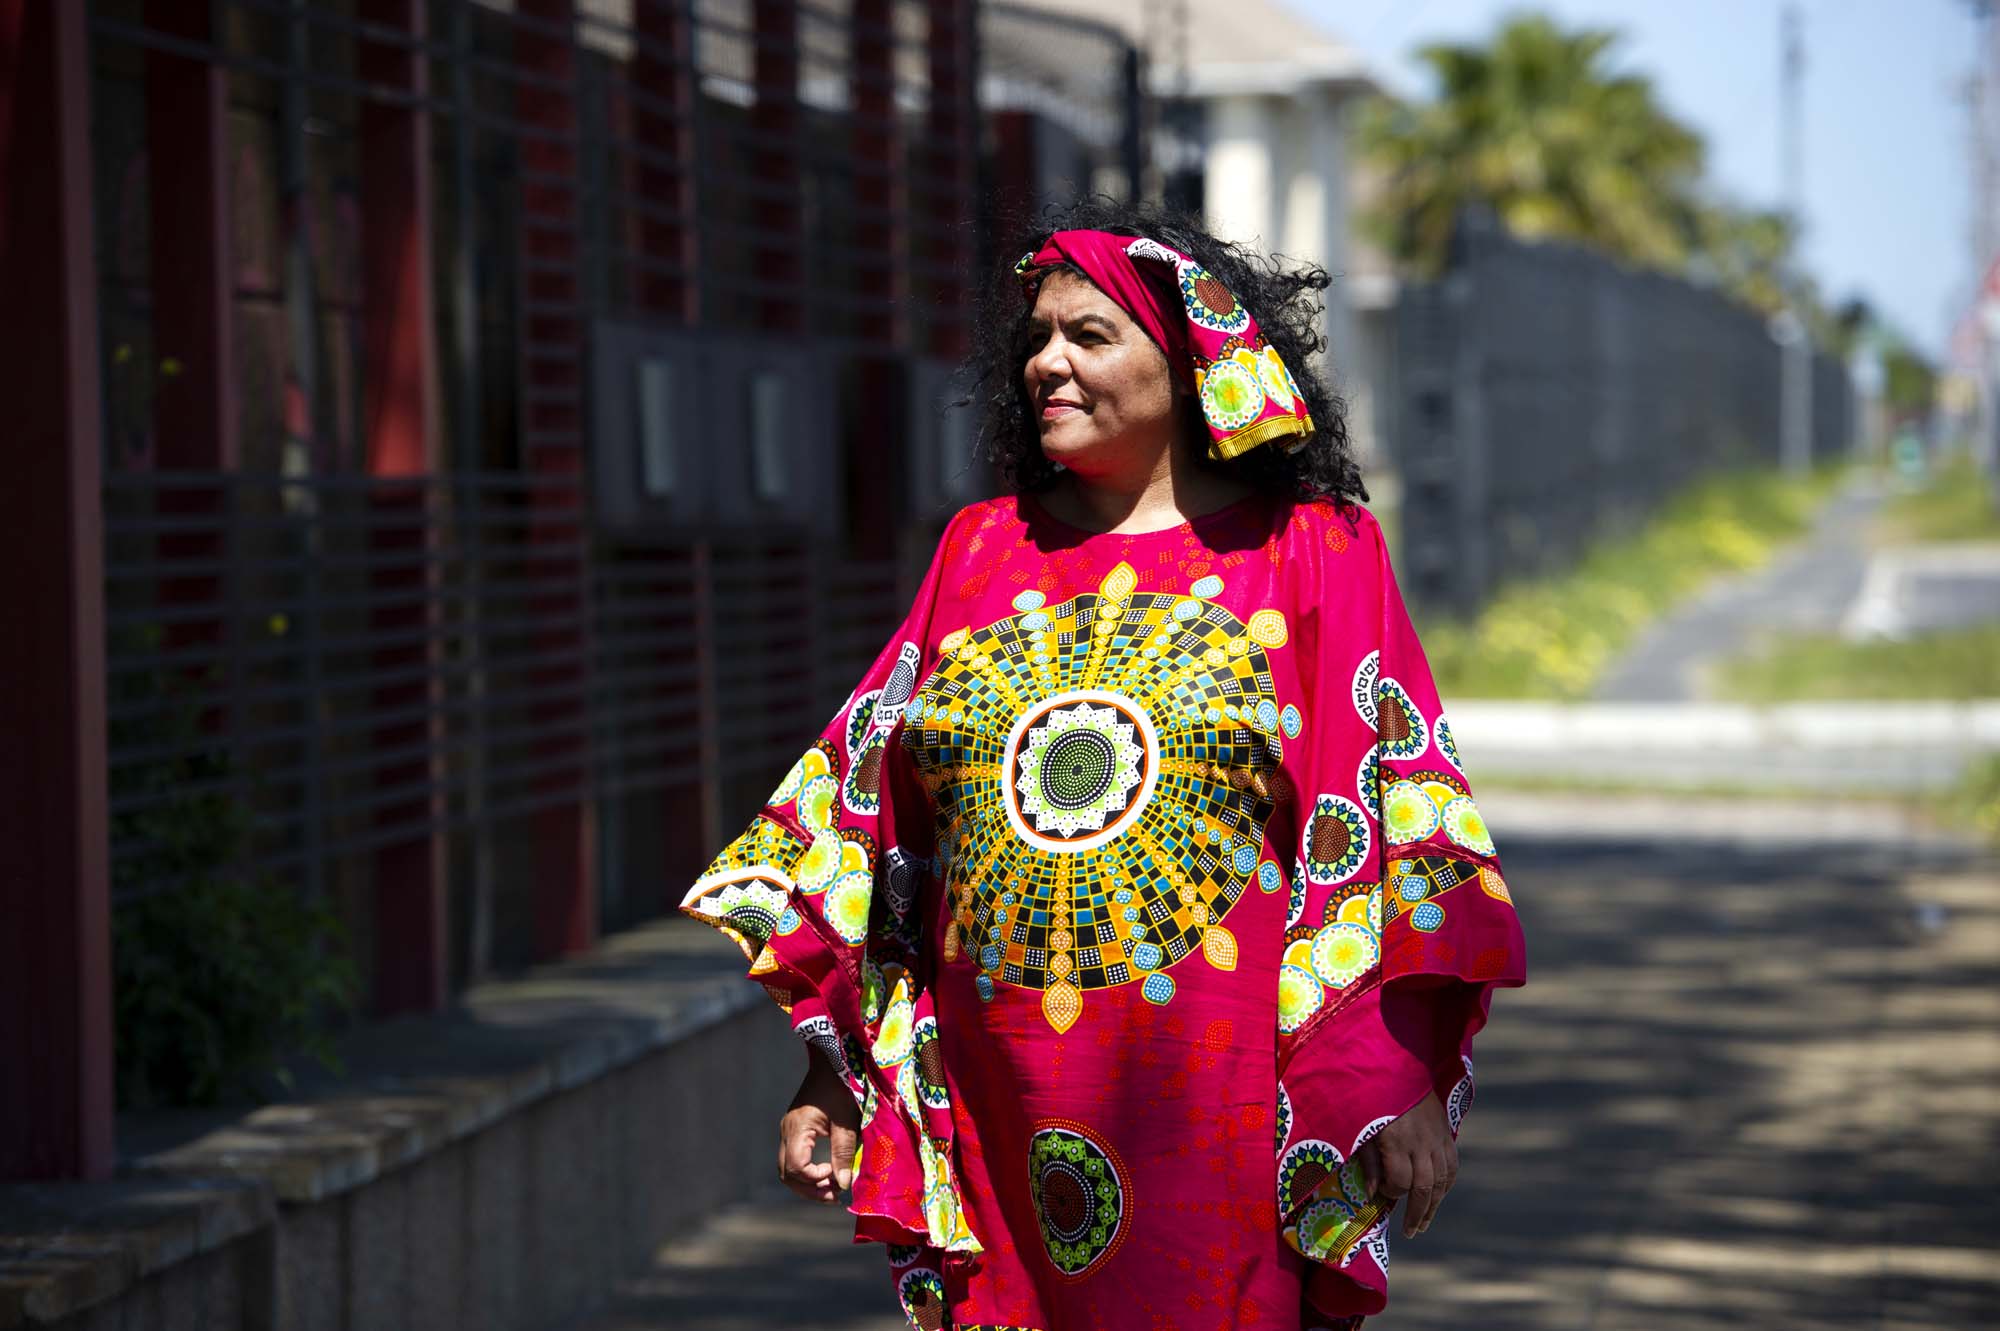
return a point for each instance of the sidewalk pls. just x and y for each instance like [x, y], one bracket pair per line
[1754, 1081]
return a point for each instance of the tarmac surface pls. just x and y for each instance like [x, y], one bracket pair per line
[1754, 1080]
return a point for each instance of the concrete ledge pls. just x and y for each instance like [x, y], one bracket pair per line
[497, 1166]
[65, 1247]
[415, 1085]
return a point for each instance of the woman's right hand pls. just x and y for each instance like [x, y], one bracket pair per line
[824, 1107]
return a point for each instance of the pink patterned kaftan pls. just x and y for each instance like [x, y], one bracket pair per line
[1135, 886]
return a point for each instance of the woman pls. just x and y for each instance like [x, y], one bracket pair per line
[1134, 909]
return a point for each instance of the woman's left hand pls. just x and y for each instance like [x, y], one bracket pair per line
[1415, 1157]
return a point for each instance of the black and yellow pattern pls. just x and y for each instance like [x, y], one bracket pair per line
[1101, 772]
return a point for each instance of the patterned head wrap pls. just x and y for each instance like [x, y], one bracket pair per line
[1211, 342]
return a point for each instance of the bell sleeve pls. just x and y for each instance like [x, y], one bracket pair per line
[1399, 926]
[825, 892]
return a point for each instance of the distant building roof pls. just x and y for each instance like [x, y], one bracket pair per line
[1233, 47]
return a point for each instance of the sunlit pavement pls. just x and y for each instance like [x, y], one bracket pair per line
[1755, 1081]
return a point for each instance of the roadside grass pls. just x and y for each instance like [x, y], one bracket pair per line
[1956, 504]
[1977, 798]
[1951, 664]
[1554, 637]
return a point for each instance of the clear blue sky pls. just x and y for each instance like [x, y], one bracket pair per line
[1886, 162]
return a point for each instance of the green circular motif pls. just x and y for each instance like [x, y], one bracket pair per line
[1408, 813]
[1320, 1224]
[1299, 996]
[1464, 824]
[847, 904]
[1231, 397]
[1079, 1196]
[1343, 953]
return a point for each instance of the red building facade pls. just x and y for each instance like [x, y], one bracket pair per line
[473, 437]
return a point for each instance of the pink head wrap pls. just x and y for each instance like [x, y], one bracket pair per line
[1247, 395]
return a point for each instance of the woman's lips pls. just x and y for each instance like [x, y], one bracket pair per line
[1053, 409]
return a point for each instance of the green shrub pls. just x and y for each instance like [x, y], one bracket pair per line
[219, 974]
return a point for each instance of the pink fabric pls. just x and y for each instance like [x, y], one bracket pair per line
[1083, 1109]
[1211, 341]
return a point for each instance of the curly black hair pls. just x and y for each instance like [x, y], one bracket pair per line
[1284, 301]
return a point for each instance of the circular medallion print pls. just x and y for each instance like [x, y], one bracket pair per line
[1441, 733]
[1299, 996]
[1231, 397]
[1343, 952]
[1408, 812]
[1277, 384]
[922, 1295]
[1464, 824]
[1398, 722]
[1080, 1196]
[1100, 769]
[1302, 1169]
[1336, 839]
[1209, 302]
[1080, 766]
[930, 1066]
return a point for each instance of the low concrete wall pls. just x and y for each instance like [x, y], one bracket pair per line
[497, 1167]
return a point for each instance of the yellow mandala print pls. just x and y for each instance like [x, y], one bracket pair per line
[1100, 770]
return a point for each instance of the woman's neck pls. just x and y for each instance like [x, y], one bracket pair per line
[1155, 504]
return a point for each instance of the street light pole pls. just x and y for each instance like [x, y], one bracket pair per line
[1795, 395]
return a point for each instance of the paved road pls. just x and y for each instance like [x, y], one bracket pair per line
[1809, 588]
[1923, 588]
[1754, 1081]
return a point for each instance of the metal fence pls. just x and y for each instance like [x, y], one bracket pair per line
[364, 667]
[803, 168]
[1547, 394]
[344, 241]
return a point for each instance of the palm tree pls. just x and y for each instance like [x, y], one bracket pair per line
[1535, 127]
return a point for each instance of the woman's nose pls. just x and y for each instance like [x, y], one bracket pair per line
[1052, 361]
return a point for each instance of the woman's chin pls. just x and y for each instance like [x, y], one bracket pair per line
[1060, 445]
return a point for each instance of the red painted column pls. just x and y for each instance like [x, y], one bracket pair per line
[401, 440]
[661, 173]
[881, 235]
[55, 946]
[775, 164]
[192, 286]
[552, 443]
[193, 277]
[1013, 174]
[951, 154]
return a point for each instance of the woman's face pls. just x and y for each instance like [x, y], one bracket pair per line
[1099, 388]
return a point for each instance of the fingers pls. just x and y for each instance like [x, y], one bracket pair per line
[1446, 1168]
[1397, 1172]
[798, 1132]
[843, 1139]
[1423, 1180]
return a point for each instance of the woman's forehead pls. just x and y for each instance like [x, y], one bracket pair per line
[1066, 296]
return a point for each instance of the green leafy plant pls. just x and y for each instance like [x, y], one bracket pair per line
[220, 973]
